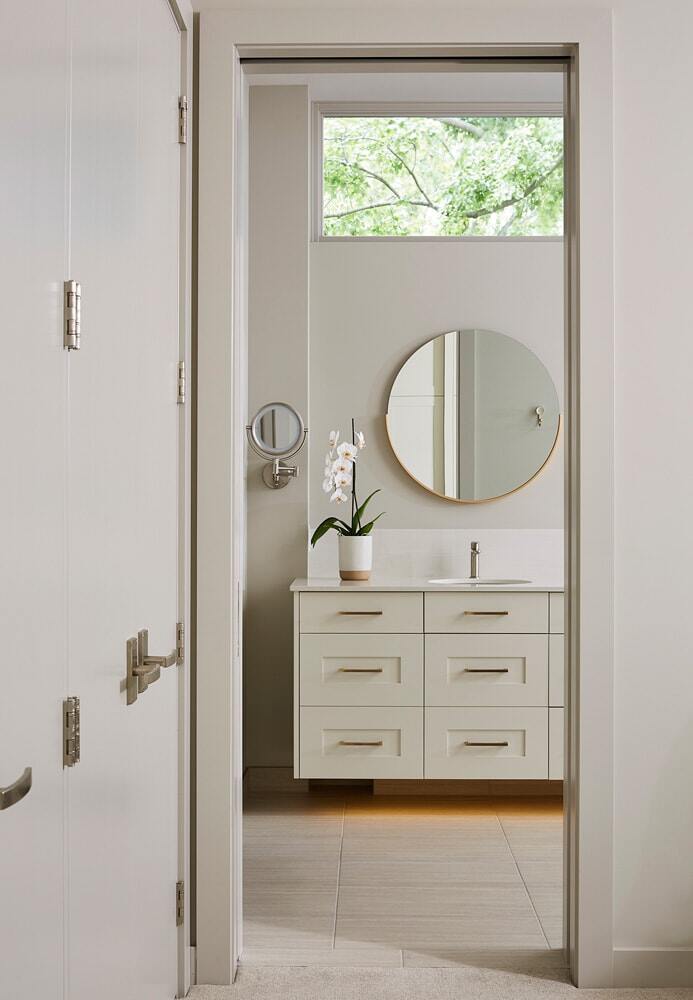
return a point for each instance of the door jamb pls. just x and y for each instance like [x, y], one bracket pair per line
[589, 494]
[183, 16]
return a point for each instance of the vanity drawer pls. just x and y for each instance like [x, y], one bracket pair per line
[349, 669]
[557, 670]
[455, 739]
[486, 670]
[487, 612]
[351, 612]
[361, 743]
[556, 612]
[556, 744]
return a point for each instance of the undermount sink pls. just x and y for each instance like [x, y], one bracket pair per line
[468, 581]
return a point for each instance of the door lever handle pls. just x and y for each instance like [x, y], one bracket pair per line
[142, 668]
[17, 790]
[161, 661]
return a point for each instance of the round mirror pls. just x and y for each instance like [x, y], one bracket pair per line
[473, 415]
[277, 430]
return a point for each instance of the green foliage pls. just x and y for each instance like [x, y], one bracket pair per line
[342, 528]
[442, 176]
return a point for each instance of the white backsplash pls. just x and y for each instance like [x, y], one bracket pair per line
[527, 553]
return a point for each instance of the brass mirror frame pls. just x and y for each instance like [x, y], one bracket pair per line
[444, 496]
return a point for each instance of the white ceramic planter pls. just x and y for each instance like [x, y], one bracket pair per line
[355, 557]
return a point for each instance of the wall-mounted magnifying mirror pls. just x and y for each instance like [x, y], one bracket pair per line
[473, 415]
[277, 432]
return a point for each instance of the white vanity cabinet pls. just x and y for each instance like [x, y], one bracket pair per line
[407, 683]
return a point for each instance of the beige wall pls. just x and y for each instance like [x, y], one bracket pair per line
[372, 304]
[277, 370]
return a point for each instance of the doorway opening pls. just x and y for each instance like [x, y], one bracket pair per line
[417, 816]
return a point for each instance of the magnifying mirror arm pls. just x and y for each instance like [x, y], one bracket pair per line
[275, 474]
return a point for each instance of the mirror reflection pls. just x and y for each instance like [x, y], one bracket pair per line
[473, 415]
[277, 429]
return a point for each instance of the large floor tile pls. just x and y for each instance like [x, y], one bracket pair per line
[507, 903]
[288, 932]
[386, 873]
[298, 872]
[290, 850]
[382, 957]
[412, 932]
[434, 847]
[421, 807]
[548, 871]
[262, 902]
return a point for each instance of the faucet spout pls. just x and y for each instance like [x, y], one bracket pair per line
[474, 561]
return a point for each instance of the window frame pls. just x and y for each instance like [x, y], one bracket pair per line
[409, 109]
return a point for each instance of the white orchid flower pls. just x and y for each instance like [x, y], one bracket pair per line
[339, 496]
[328, 483]
[334, 438]
[360, 440]
[329, 456]
[347, 451]
[342, 479]
[341, 465]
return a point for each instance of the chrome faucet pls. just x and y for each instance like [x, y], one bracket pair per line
[474, 567]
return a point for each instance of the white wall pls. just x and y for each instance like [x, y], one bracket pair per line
[654, 477]
[277, 370]
[653, 808]
[372, 304]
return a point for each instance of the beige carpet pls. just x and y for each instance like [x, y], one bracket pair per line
[411, 984]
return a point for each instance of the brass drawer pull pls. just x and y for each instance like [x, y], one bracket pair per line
[360, 743]
[359, 612]
[361, 670]
[487, 670]
[494, 614]
[489, 743]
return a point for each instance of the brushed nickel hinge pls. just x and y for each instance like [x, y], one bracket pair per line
[71, 723]
[72, 315]
[180, 903]
[183, 119]
[181, 382]
[180, 642]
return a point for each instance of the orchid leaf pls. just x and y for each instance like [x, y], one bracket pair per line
[359, 513]
[326, 525]
[367, 528]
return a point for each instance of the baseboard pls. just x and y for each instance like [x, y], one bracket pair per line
[469, 788]
[272, 779]
[653, 967]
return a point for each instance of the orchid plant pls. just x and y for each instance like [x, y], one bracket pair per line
[340, 481]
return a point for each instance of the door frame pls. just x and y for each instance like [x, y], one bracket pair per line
[585, 39]
[182, 13]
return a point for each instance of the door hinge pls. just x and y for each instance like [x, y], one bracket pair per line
[181, 382]
[72, 315]
[180, 642]
[183, 119]
[71, 724]
[180, 903]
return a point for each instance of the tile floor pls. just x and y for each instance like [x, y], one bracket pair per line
[356, 880]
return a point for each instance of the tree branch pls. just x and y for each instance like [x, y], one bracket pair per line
[378, 204]
[463, 126]
[369, 173]
[413, 177]
[499, 206]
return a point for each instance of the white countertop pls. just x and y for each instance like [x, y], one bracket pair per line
[382, 584]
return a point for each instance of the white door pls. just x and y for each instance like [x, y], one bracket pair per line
[34, 71]
[123, 497]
